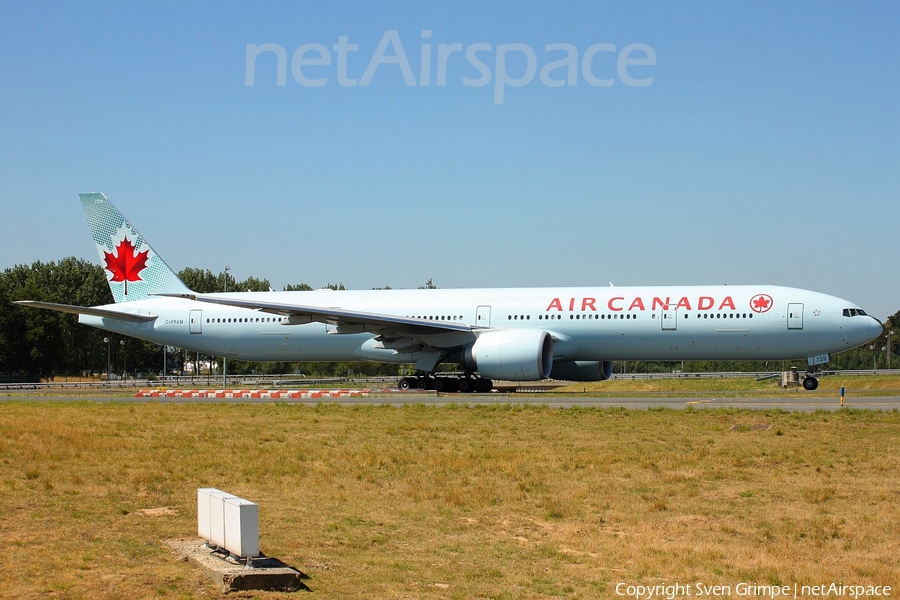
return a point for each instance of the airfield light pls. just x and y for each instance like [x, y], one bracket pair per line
[224, 367]
[106, 341]
[890, 333]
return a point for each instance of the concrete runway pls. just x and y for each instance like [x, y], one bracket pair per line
[800, 403]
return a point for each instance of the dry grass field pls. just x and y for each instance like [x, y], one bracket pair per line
[449, 502]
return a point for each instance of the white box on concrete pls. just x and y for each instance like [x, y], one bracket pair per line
[215, 530]
[241, 527]
[203, 522]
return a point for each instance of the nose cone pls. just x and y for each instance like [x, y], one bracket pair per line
[874, 329]
[859, 330]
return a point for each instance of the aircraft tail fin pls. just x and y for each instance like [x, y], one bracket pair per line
[133, 269]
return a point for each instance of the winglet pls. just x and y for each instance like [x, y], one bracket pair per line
[133, 269]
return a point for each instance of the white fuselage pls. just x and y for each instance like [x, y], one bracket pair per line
[755, 322]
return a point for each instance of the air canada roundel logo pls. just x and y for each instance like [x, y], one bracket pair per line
[761, 303]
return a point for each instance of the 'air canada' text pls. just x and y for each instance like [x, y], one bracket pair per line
[620, 303]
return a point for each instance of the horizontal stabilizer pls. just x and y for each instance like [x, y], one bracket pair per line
[87, 310]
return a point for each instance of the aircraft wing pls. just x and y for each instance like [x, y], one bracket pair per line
[88, 310]
[346, 321]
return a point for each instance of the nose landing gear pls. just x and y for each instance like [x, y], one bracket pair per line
[815, 362]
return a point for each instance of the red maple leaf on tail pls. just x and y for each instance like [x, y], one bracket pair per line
[127, 264]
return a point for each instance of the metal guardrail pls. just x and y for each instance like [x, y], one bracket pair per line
[757, 374]
[279, 381]
[710, 375]
[77, 385]
[294, 381]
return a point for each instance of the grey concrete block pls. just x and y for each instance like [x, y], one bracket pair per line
[266, 573]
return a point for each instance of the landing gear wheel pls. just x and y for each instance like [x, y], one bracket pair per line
[422, 383]
[465, 385]
[447, 385]
[483, 385]
[406, 383]
[810, 383]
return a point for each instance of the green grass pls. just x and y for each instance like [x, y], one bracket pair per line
[450, 502]
[829, 385]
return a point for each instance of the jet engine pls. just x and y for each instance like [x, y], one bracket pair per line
[582, 370]
[512, 354]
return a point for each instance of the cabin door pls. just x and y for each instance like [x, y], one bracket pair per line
[196, 320]
[795, 316]
[483, 316]
[669, 318]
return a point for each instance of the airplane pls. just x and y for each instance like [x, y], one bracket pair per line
[514, 334]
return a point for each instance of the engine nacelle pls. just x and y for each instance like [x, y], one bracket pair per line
[582, 370]
[511, 354]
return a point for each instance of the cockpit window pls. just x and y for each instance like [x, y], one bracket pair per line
[854, 312]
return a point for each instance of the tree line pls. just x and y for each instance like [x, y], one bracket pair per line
[40, 344]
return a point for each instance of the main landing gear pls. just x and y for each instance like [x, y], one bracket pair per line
[465, 384]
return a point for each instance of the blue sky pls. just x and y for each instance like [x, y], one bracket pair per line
[765, 150]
